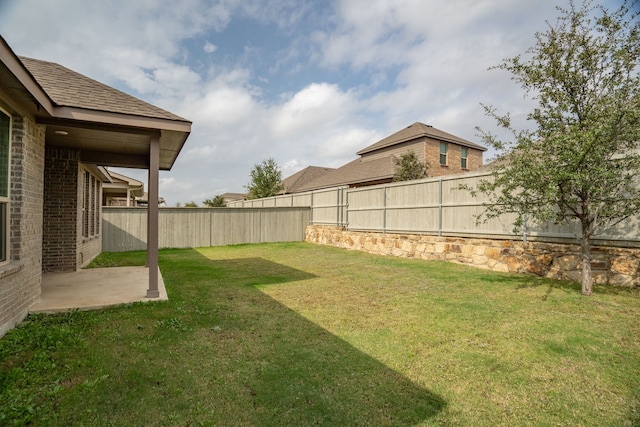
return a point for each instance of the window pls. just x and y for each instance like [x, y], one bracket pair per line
[5, 159]
[444, 147]
[464, 153]
[90, 206]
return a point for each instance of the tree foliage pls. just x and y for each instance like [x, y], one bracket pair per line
[266, 180]
[215, 202]
[191, 205]
[409, 167]
[580, 162]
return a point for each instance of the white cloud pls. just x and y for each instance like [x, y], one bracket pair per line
[209, 47]
[317, 106]
[336, 78]
[292, 166]
[345, 144]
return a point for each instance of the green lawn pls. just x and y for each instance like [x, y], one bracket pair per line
[296, 334]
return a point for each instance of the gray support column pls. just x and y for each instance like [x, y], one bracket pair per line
[152, 217]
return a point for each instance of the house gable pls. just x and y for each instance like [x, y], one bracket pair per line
[377, 162]
[425, 141]
[417, 131]
[121, 190]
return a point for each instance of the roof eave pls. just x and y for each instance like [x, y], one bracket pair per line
[26, 79]
[173, 134]
[119, 119]
[389, 144]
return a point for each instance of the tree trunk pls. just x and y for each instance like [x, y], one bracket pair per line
[587, 278]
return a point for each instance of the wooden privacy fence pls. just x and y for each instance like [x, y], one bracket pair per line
[125, 229]
[432, 206]
[328, 207]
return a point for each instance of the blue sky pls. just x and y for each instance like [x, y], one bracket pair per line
[304, 82]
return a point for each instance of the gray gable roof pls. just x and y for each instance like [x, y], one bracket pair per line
[300, 179]
[230, 197]
[359, 171]
[70, 89]
[418, 130]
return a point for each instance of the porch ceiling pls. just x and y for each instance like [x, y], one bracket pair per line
[112, 145]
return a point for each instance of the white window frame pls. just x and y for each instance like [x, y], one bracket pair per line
[445, 154]
[90, 205]
[5, 202]
[464, 158]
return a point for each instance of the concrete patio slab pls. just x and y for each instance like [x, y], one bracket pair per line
[95, 288]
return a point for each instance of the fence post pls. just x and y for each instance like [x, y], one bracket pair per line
[338, 207]
[211, 225]
[440, 206]
[346, 210]
[384, 209]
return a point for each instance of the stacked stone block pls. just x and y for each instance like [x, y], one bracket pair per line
[614, 266]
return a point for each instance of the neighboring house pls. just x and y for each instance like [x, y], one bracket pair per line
[121, 190]
[57, 127]
[232, 197]
[446, 154]
[300, 179]
[143, 201]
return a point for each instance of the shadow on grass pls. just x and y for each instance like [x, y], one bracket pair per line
[280, 368]
[528, 281]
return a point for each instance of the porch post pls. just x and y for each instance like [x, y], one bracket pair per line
[152, 217]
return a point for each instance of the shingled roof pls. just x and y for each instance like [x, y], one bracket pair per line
[418, 130]
[300, 179]
[70, 89]
[359, 171]
[369, 170]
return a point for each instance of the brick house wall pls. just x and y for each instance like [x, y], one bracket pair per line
[87, 247]
[65, 247]
[416, 145]
[432, 157]
[21, 277]
[59, 244]
[429, 150]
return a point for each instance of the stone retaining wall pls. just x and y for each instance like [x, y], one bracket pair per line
[615, 266]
